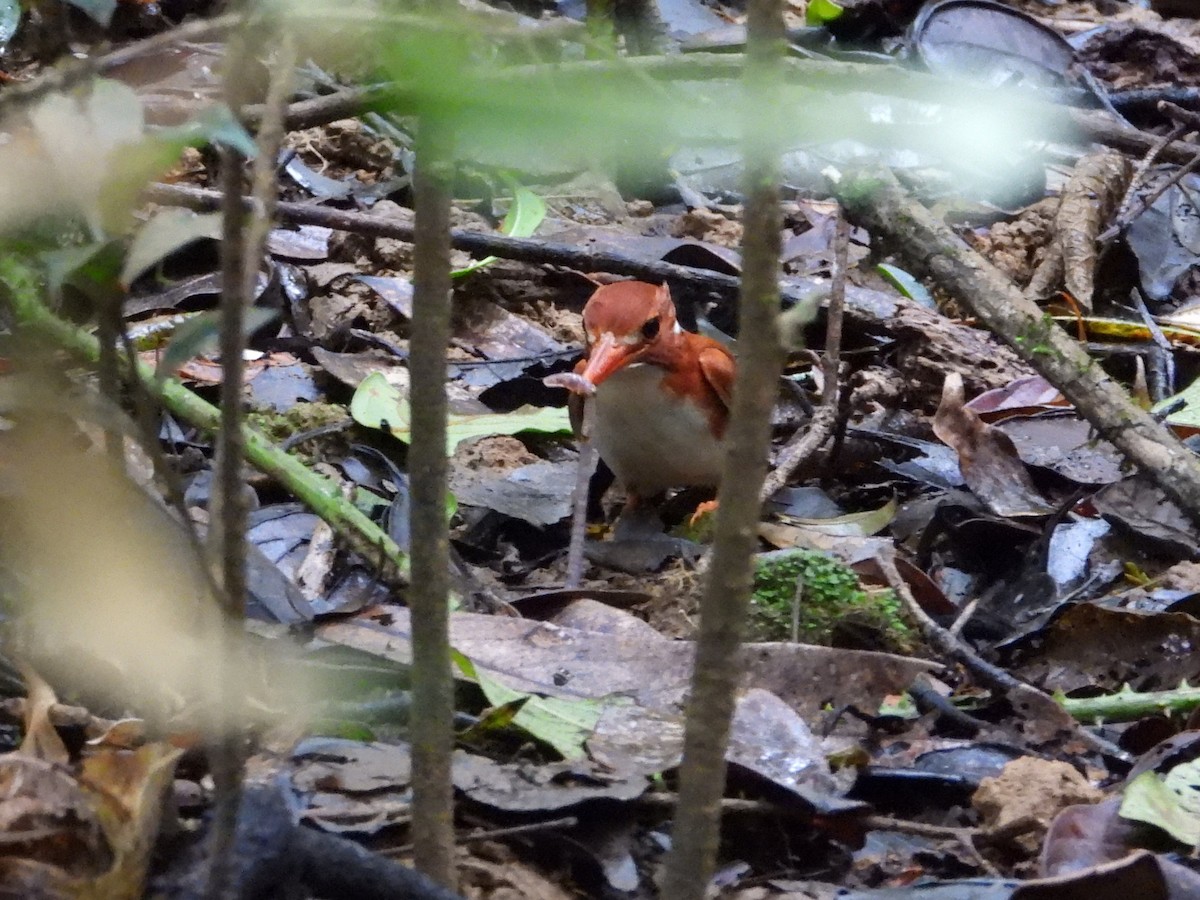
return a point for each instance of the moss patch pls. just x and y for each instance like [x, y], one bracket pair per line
[302, 417]
[834, 609]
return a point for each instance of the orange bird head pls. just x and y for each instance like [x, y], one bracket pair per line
[626, 323]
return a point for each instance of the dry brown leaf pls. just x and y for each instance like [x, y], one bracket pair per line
[987, 457]
[41, 737]
[1090, 197]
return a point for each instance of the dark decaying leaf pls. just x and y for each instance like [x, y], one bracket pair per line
[1091, 646]
[934, 464]
[517, 787]
[351, 368]
[1141, 874]
[610, 841]
[1138, 508]
[990, 43]
[495, 333]
[309, 243]
[1166, 237]
[638, 555]
[320, 186]
[988, 460]
[1066, 444]
[354, 787]
[1084, 836]
[1071, 547]
[510, 345]
[588, 614]
[208, 285]
[397, 291]
[284, 382]
[166, 232]
[539, 493]
[549, 604]
[769, 739]
[1023, 396]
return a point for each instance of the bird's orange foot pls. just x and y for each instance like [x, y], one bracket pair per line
[707, 508]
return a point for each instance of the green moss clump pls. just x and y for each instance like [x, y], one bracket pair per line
[834, 609]
[279, 426]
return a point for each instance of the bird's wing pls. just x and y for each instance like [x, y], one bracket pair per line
[718, 369]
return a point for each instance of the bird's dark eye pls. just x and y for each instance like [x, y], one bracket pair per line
[650, 329]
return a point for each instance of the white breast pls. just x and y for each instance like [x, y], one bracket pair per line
[651, 439]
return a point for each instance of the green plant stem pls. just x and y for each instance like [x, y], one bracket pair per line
[716, 670]
[320, 494]
[1127, 706]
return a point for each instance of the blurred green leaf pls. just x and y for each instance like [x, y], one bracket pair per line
[906, 284]
[1171, 802]
[215, 125]
[563, 724]
[378, 404]
[199, 336]
[820, 12]
[634, 112]
[522, 220]
[93, 267]
[89, 156]
[167, 230]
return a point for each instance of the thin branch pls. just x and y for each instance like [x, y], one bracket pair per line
[429, 594]
[63, 77]
[1103, 129]
[820, 428]
[482, 243]
[585, 466]
[230, 510]
[715, 672]
[1022, 695]
[877, 199]
[1145, 202]
[1143, 166]
[318, 493]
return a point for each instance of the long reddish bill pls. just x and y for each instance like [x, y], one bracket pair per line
[605, 358]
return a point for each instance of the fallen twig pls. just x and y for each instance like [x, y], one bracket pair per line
[585, 466]
[820, 428]
[1027, 700]
[877, 199]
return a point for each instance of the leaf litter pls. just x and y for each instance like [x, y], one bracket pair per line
[1037, 562]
